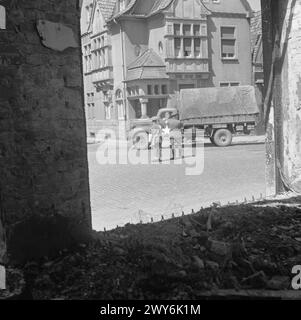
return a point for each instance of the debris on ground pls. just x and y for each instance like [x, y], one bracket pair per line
[239, 248]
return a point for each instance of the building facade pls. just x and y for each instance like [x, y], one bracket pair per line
[138, 54]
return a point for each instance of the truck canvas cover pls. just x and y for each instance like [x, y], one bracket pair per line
[216, 102]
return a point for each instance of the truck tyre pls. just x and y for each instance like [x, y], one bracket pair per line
[222, 138]
[139, 139]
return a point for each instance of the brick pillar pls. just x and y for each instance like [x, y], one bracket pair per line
[44, 189]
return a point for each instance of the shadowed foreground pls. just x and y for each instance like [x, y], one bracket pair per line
[216, 253]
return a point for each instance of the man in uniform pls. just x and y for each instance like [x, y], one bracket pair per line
[155, 138]
[172, 128]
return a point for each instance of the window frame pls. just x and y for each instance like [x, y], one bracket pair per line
[235, 57]
[190, 34]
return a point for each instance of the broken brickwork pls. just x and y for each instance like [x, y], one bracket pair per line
[44, 192]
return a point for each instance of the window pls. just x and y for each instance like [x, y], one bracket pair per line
[229, 84]
[177, 44]
[187, 29]
[149, 89]
[99, 60]
[106, 96]
[2, 18]
[228, 42]
[187, 47]
[119, 95]
[88, 58]
[197, 48]
[103, 58]
[160, 47]
[190, 43]
[196, 30]
[156, 89]
[91, 111]
[164, 89]
[177, 29]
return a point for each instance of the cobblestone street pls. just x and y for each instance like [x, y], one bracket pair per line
[123, 194]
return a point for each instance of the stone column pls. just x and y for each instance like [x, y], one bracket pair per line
[143, 103]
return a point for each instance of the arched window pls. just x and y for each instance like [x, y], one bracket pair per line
[119, 95]
[2, 18]
[160, 47]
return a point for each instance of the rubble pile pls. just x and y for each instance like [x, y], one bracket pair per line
[239, 247]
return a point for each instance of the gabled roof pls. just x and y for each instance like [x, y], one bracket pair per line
[147, 59]
[147, 66]
[106, 8]
[141, 9]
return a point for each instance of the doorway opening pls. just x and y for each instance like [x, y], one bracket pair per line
[123, 192]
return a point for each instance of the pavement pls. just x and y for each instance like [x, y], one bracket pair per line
[128, 193]
[236, 139]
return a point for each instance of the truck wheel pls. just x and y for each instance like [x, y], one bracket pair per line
[140, 140]
[222, 138]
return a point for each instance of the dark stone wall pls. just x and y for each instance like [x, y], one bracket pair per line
[44, 190]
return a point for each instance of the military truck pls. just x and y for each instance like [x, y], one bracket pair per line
[219, 113]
